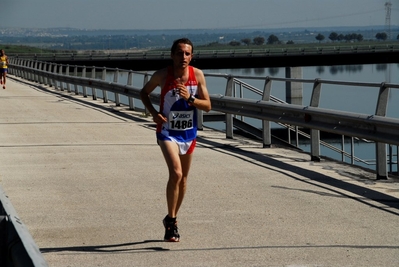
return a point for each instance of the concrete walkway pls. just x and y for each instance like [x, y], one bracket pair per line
[88, 180]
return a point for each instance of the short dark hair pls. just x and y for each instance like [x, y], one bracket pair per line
[181, 41]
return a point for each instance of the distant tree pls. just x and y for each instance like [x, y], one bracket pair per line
[354, 37]
[259, 40]
[381, 36]
[333, 36]
[273, 39]
[234, 43]
[246, 41]
[320, 37]
[213, 44]
[290, 42]
[397, 37]
[340, 37]
[347, 37]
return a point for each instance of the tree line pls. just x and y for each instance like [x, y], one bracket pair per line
[334, 37]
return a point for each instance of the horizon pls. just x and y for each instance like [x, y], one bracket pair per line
[189, 14]
[211, 29]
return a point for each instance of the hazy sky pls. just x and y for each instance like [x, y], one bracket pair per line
[194, 14]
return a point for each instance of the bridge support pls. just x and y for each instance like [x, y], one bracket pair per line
[293, 90]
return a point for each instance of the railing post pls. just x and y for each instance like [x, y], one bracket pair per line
[22, 72]
[145, 80]
[27, 74]
[200, 119]
[75, 74]
[84, 86]
[61, 83]
[21, 63]
[266, 128]
[43, 67]
[229, 117]
[315, 134]
[381, 149]
[130, 83]
[93, 76]
[33, 66]
[68, 85]
[35, 76]
[48, 69]
[54, 80]
[343, 148]
[30, 75]
[104, 77]
[41, 76]
[390, 158]
[11, 70]
[397, 160]
[116, 78]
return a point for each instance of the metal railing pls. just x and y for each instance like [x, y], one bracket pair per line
[375, 127]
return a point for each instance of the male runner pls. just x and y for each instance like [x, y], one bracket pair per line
[183, 91]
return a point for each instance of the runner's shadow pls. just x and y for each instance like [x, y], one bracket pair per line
[124, 247]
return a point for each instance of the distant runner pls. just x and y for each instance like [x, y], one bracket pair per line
[3, 68]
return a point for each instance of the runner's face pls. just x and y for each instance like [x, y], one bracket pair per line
[182, 55]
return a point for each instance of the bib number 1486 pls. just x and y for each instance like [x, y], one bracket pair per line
[181, 124]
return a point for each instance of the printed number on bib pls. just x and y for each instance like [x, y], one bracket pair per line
[181, 120]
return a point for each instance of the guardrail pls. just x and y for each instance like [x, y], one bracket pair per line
[376, 127]
[17, 247]
[225, 53]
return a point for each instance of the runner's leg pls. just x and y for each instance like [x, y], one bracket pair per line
[170, 152]
[185, 163]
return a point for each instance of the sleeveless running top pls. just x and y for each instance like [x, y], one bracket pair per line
[3, 62]
[182, 118]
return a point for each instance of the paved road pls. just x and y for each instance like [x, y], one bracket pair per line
[88, 180]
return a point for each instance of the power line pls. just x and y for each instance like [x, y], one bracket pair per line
[307, 20]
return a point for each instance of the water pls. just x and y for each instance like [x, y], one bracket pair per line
[352, 99]
[345, 98]
[338, 97]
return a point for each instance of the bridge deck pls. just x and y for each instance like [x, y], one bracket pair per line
[88, 180]
[232, 59]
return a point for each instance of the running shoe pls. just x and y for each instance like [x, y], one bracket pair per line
[171, 231]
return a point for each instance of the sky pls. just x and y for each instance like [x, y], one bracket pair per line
[194, 14]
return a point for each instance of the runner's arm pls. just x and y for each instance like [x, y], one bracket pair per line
[203, 101]
[155, 80]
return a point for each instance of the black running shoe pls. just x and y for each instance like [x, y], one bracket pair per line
[171, 231]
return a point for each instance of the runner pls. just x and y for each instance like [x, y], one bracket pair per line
[183, 91]
[3, 68]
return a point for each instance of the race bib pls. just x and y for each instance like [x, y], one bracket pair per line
[181, 120]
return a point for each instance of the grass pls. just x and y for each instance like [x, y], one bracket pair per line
[20, 49]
